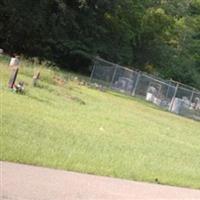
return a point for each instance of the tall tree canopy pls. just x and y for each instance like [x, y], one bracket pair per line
[158, 36]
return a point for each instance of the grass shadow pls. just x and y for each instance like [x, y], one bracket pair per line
[39, 99]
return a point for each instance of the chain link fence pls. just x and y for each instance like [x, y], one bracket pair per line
[172, 96]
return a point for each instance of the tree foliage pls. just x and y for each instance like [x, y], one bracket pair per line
[159, 36]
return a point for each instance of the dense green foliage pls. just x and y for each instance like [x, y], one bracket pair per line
[158, 36]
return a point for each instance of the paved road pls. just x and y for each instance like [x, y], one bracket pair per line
[23, 182]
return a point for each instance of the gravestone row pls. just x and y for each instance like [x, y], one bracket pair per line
[14, 65]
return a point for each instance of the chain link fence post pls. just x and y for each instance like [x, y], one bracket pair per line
[192, 95]
[113, 77]
[173, 98]
[136, 83]
[93, 70]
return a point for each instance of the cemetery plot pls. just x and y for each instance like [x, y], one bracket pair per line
[168, 94]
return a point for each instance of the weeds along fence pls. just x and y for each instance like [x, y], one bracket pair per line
[172, 96]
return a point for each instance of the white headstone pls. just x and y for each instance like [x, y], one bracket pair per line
[177, 105]
[14, 62]
[149, 97]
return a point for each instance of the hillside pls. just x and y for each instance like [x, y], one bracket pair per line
[70, 126]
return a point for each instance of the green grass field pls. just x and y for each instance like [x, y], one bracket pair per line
[81, 129]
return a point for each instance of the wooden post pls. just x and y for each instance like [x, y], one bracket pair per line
[13, 77]
[36, 78]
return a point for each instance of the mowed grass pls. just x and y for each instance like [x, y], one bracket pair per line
[73, 127]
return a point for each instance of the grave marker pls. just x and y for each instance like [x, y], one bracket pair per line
[13, 77]
[36, 77]
[1, 52]
[14, 62]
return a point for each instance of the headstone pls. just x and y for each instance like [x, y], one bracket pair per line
[36, 78]
[177, 105]
[1, 52]
[197, 103]
[151, 94]
[152, 90]
[157, 101]
[149, 97]
[14, 62]
[13, 77]
[186, 102]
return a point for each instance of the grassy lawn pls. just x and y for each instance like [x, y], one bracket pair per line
[77, 128]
